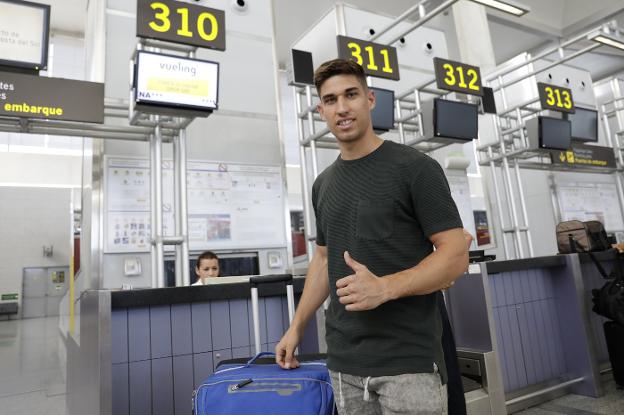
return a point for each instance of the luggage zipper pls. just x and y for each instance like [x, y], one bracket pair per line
[206, 385]
[242, 384]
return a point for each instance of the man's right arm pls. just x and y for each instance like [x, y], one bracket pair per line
[315, 291]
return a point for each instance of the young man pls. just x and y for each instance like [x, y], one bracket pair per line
[380, 209]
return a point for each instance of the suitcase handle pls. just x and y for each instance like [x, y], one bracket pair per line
[258, 356]
[265, 279]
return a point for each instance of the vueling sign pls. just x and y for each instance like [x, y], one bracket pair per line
[28, 96]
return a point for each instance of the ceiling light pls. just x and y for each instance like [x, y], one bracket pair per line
[608, 40]
[506, 6]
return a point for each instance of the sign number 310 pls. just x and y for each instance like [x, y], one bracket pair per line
[162, 22]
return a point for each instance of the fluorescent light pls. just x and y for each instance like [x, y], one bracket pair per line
[607, 40]
[506, 6]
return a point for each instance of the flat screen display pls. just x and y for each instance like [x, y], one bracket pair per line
[24, 31]
[383, 114]
[554, 133]
[458, 120]
[584, 124]
[303, 68]
[176, 82]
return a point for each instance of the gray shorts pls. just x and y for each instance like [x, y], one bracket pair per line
[414, 393]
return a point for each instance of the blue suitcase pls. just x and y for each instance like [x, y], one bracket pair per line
[260, 388]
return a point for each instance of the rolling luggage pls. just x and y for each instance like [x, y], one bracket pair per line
[253, 387]
[614, 335]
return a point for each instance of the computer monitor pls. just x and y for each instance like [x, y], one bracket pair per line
[383, 114]
[455, 120]
[584, 124]
[554, 133]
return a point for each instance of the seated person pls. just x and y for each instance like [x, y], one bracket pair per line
[207, 267]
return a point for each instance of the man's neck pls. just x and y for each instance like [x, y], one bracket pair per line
[360, 148]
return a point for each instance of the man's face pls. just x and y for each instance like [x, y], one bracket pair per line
[345, 106]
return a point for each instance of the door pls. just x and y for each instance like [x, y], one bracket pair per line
[43, 289]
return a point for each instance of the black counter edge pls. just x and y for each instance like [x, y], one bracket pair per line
[497, 267]
[196, 294]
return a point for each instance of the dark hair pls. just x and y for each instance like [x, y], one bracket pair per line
[206, 255]
[338, 67]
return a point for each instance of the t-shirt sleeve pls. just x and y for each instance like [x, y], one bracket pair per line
[431, 196]
[320, 236]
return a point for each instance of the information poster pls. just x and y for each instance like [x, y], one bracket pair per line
[591, 201]
[460, 191]
[230, 206]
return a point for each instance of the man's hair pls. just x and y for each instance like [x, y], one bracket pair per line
[206, 255]
[338, 67]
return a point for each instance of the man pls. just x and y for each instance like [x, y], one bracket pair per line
[380, 209]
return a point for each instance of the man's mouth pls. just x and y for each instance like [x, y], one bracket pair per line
[345, 123]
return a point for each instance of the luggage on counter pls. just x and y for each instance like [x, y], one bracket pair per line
[614, 335]
[259, 385]
[577, 236]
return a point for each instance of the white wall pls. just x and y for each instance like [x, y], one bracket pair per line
[29, 219]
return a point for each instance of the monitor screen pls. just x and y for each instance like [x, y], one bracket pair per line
[554, 133]
[176, 82]
[303, 68]
[24, 30]
[584, 124]
[383, 114]
[459, 120]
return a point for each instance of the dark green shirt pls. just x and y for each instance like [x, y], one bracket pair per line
[382, 208]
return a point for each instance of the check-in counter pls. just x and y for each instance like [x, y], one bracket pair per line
[535, 316]
[145, 351]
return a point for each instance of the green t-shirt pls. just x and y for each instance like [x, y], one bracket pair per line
[382, 208]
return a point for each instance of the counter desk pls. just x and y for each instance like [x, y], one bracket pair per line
[145, 351]
[535, 315]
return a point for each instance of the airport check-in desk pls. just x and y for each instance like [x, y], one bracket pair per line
[531, 321]
[524, 331]
[145, 351]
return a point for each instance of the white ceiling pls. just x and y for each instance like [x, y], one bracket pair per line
[547, 22]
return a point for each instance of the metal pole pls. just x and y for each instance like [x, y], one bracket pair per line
[424, 19]
[525, 216]
[176, 203]
[421, 129]
[153, 204]
[307, 205]
[553, 197]
[399, 115]
[407, 13]
[158, 232]
[311, 130]
[499, 206]
[186, 272]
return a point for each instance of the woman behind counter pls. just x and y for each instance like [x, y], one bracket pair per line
[207, 267]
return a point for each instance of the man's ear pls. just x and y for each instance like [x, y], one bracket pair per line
[319, 109]
[372, 100]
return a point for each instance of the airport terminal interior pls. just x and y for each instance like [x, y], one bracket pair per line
[136, 135]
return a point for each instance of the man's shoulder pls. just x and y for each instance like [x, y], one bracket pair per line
[408, 158]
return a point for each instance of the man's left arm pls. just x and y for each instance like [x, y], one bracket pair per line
[363, 290]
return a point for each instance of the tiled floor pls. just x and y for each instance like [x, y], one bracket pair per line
[32, 376]
[612, 403]
[32, 372]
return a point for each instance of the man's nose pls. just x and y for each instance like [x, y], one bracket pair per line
[341, 105]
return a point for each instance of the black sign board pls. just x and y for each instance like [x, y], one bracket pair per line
[584, 156]
[31, 96]
[303, 68]
[457, 76]
[376, 59]
[556, 98]
[180, 22]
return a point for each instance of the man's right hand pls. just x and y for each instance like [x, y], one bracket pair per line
[285, 349]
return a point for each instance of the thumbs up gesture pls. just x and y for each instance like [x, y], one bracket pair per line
[361, 290]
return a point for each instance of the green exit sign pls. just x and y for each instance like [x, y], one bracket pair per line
[11, 296]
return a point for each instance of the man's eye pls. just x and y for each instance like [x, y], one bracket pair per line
[351, 94]
[330, 100]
